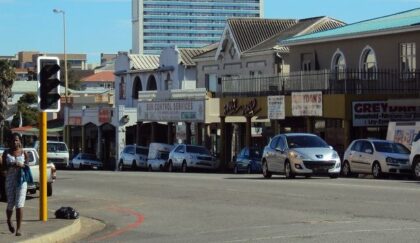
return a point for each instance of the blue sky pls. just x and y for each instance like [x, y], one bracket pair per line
[104, 26]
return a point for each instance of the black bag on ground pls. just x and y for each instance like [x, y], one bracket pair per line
[66, 213]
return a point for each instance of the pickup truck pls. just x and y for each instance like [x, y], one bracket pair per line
[34, 166]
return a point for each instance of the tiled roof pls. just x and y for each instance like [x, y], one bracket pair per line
[144, 62]
[387, 23]
[302, 26]
[104, 76]
[249, 32]
[188, 53]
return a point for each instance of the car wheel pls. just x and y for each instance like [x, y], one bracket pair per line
[49, 189]
[346, 171]
[416, 168]
[184, 167]
[376, 170]
[308, 176]
[72, 166]
[170, 167]
[150, 168]
[160, 168]
[235, 169]
[80, 166]
[288, 171]
[333, 176]
[266, 173]
[134, 165]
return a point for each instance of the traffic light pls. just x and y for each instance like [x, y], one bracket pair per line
[48, 84]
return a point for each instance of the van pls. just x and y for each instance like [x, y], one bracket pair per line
[158, 156]
[403, 132]
[57, 153]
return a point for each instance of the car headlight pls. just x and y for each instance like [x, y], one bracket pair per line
[390, 160]
[335, 155]
[296, 155]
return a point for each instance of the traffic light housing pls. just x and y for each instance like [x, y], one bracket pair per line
[48, 84]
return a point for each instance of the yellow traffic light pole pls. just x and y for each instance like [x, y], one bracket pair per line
[43, 206]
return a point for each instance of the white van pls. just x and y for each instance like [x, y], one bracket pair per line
[158, 156]
[407, 133]
[57, 153]
[403, 132]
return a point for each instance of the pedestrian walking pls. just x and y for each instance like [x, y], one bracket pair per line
[17, 178]
[2, 180]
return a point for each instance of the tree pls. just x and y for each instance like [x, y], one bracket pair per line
[7, 76]
[29, 113]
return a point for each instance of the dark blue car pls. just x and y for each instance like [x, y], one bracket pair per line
[247, 160]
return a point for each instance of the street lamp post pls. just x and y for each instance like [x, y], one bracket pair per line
[58, 11]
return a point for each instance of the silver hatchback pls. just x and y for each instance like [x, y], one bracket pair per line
[304, 154]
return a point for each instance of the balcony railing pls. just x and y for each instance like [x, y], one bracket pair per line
[327, 81]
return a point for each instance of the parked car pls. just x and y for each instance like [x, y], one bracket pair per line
[191, 156]
[33, 159]
[376, 157]
[133, 157]
[295, 154]
[158, 156]
[248, 160]
[85, 160]
[57, 153]
[414, 158]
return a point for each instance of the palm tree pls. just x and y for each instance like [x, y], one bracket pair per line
[7, 75]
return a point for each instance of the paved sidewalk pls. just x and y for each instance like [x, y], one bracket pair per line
[54, 230]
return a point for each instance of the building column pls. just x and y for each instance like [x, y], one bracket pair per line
[248, 135]
[99, 144]
[188, 132]
[207, 136]
[83, 139]
[199, 133]
[170, 139]
[223, 159]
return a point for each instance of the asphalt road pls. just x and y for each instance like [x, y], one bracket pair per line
[199, 207]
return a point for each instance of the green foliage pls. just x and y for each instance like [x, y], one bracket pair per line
[29, 113]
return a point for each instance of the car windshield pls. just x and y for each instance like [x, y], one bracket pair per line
[387, 147]
[56, 147]
[143, 151]
[89, 156]
[197, 150]
[255, 153]
[306, 141]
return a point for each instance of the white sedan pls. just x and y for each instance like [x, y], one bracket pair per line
[376, 157]
[84, 160]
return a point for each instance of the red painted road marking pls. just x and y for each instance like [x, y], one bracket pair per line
[137, 223]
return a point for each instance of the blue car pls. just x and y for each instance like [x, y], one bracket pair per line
[248, 160]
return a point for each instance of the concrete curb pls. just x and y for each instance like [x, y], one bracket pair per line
[59, 235]
[79, 229]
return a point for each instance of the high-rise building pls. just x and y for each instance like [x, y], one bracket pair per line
[185, 23]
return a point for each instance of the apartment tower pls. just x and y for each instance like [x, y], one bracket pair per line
[158, 24]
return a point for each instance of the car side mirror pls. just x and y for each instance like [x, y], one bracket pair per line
[331, 147]
[369, 151]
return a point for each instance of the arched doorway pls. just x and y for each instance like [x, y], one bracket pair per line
[91, 138]
[108, 155]
[151, 83]
[136, 88]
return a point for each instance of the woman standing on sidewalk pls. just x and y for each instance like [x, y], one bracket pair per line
[16, 180]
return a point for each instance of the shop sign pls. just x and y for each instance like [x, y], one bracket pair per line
[75, 120]
[307, 103]
[174, 111]
[248, 109]
[379, 113]
[276, 107]
[104, 116]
